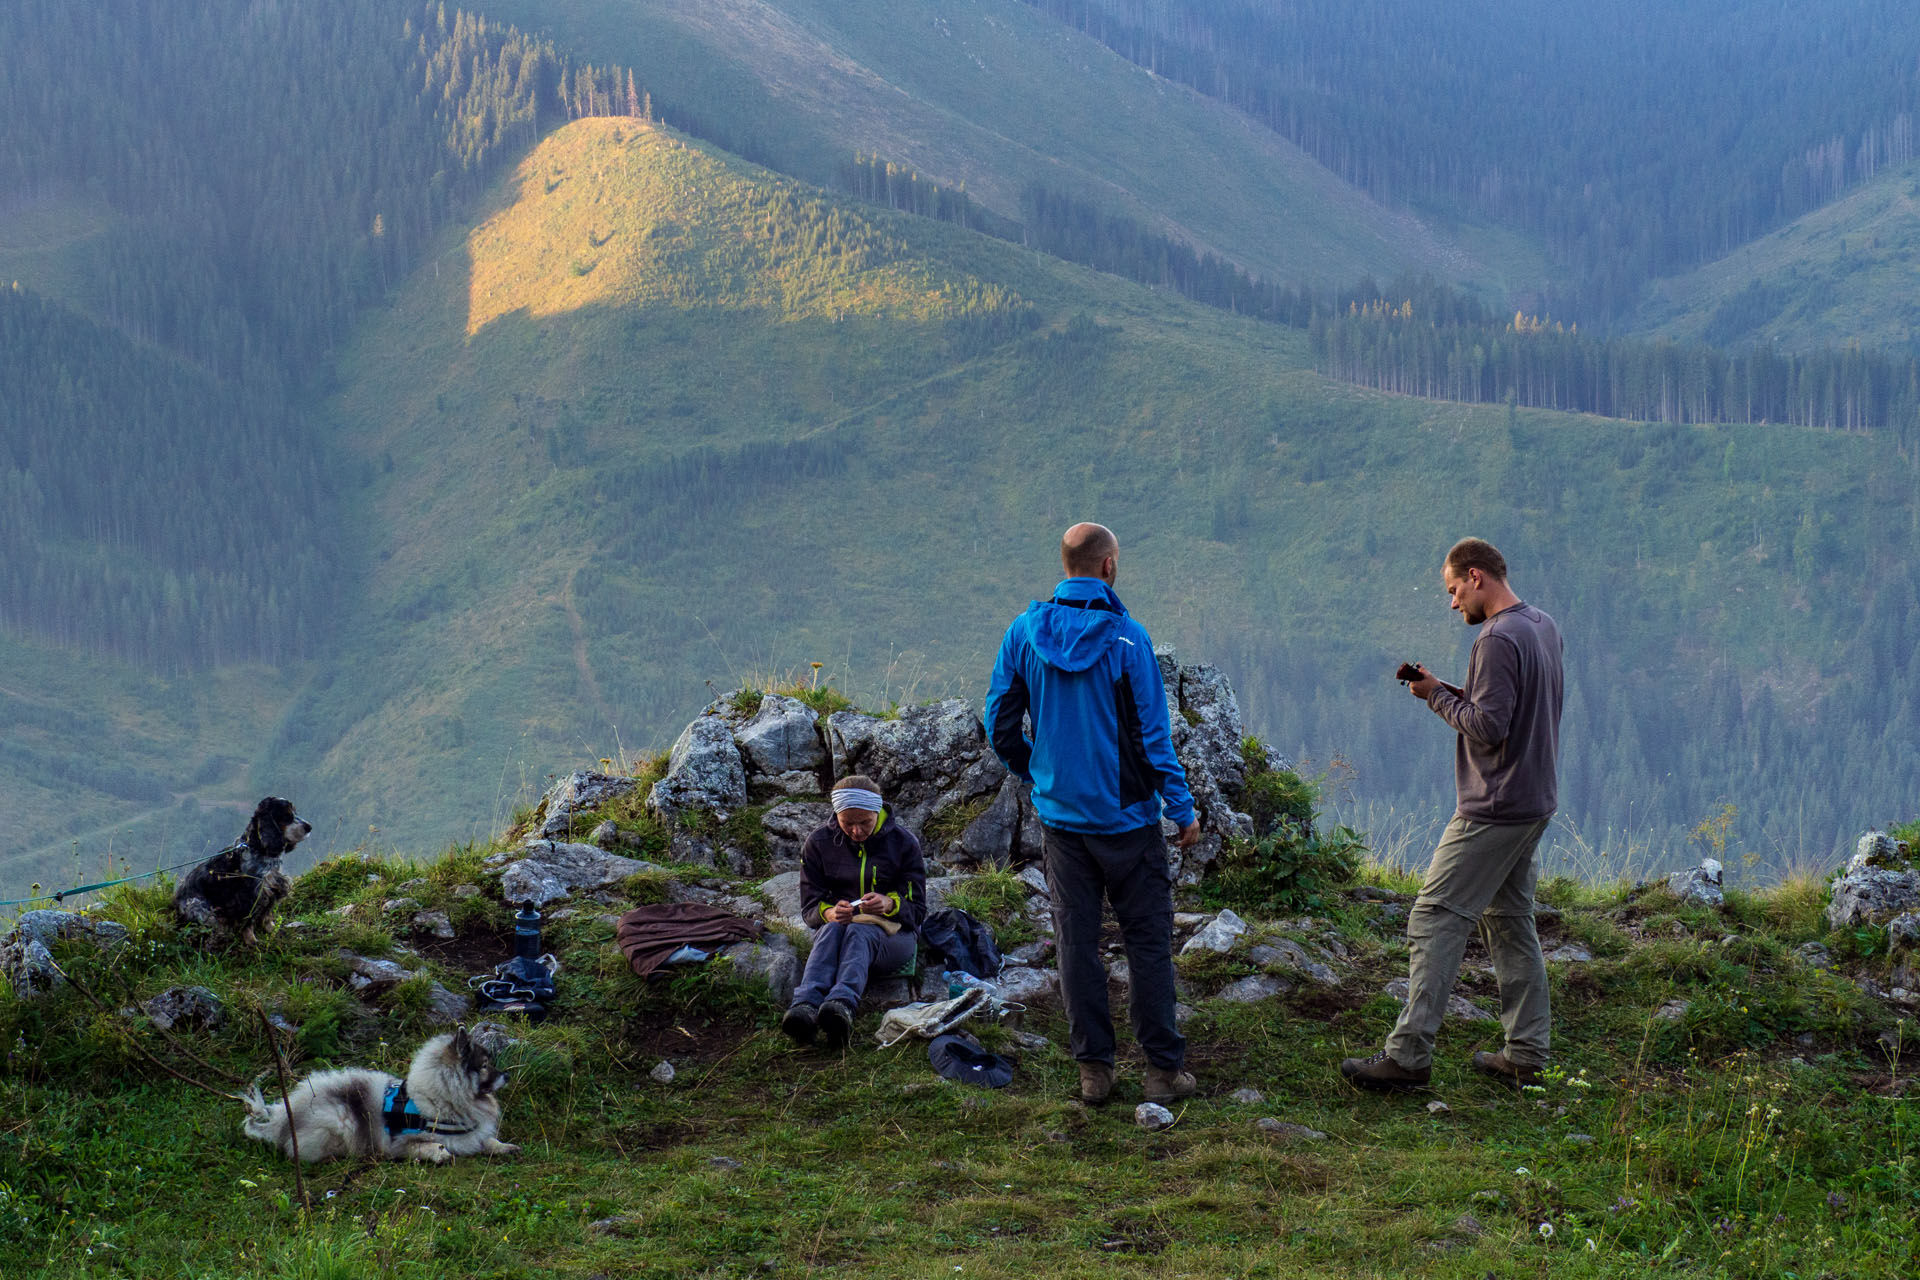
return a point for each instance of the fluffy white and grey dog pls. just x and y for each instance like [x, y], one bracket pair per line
[446, 1107]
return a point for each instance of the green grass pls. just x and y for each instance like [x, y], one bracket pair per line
[1712, 1146]
[1840, 274]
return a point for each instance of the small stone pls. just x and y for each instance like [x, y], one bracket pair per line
[1248, 1097]
[1814, 955]
[418, 884]
[1181, 1012]
[1699, 885]
[186, 1007]
[492, 1037]
[662, 1073]
[1439, 1108]
[1579, 1139]
[606, 835]
[1572, 953]
[1057, 1136]
[1029, 1041]
[400, 904]
[608, 1226]
[727, 1163]
[1152, 1117]
[1489, 1197]
[466, 891]
[1673, 1010]
[1254, 988]
[1468, 1225]
[1292, 1132]
[1033, 878]
[1189, 919]
[446, 1008]
[437, 923]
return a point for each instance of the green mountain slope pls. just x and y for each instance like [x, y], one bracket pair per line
[996, 95]
[664, 422]
[1843, 273]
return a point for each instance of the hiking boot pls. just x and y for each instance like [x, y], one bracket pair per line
[835, 1022]
[1168, 1084]
[1382, 1074]
[1096, 1082]
[801, 1022]
[1505, 1069]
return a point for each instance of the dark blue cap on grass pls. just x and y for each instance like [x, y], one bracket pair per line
[961, 1058]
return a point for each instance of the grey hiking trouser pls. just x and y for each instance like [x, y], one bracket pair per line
[1128, 869]
[1482, 874]
[845, 955]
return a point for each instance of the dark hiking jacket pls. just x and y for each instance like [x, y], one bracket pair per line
[833, 869]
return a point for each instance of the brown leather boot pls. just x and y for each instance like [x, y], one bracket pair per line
[1168, 1084]
[1096, 1082]
[1505, 1069]
[1383, 1074]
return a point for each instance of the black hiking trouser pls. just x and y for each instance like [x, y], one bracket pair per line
[1128, 869]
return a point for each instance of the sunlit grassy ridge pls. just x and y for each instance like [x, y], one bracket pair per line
[996, 95]
[1766, 1130]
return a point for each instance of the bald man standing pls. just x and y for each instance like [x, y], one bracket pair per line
[1081, 672]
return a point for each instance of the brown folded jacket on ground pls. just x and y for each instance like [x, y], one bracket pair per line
[648, 935]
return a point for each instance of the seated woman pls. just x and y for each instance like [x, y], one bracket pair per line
[863, 891]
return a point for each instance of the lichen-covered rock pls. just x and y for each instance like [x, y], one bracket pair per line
[927, 760]
[26, 954]
[772, 960]
[1903, 931]
[780, 741]
[783, 892]
[1152, 1117]
[704, 771]
[1871, 895]
[1026, 985]
[1878, 849]
[1254, 988]
[186, 1008]
[446, 1008]
[548, 870]
[787, 827]
[575, 793]
[992, 838]
[371, 976]
[1458, 1006]
[1699, 885]
[433, 923]
[1218, 935]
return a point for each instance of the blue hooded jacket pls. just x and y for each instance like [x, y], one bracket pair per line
[1101, 757]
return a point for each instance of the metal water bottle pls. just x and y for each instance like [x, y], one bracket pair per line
[526, 933]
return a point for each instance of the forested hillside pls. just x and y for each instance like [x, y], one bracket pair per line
[1634, 137]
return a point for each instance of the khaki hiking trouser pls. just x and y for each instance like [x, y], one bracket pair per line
[1482, 874]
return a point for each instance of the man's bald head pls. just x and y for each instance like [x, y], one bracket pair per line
[1090, 551]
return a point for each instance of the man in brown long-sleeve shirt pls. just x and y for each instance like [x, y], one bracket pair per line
[1483, 872]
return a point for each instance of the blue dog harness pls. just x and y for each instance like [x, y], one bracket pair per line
[401, 1115]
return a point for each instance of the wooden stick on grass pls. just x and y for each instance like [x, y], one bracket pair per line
[286, 1100]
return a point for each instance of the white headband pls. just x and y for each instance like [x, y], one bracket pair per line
[845, 798]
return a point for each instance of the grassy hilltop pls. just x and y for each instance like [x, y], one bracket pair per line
[664, 418]
[1725, 1104]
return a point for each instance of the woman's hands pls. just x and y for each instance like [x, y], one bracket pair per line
[843, 911]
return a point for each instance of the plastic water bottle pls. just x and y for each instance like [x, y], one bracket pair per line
[526, 933]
